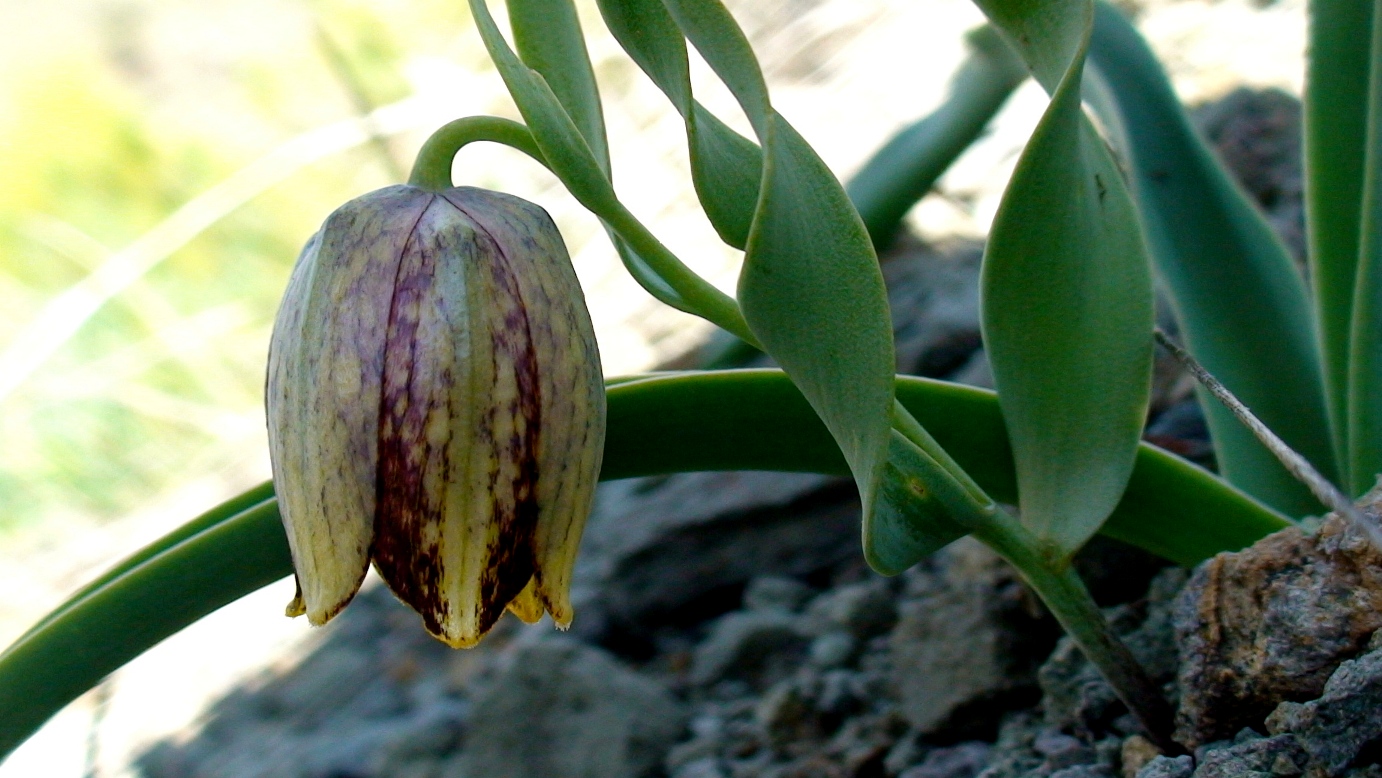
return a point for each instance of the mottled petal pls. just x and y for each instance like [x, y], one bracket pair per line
[458, 439]
[323, 389]
[528, 606]
[571, 386]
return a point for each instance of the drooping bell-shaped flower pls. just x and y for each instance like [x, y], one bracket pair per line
[435, 405]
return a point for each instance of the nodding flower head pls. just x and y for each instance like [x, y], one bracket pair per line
[435, 405]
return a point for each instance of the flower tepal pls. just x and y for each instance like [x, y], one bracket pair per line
[435, 405]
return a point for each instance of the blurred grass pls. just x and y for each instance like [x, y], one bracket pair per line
[112, 115]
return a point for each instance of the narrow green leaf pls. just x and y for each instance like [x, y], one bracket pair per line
[1365, 364]
[1336, 131]
[910, 521]
[810, 287]
[570, 158]
[726, 420]
[905, 168]
[1242, 306]
[812, 292]
[239, 504]
[547, 35]
[726, 169]
[104, 628]
[725, 166]
[713, 31]
[1067, 297]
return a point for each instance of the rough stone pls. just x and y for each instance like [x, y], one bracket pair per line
[740, 641]
[561, 709]
[1012, 754]
[1343, 722]
[708, 767]
[1134, 754]
[771, 592]
[1168, 767]
[656, 546]
[1252, 755]
[863, 609]
[1272, 622]
[964, 760]
[966, 648]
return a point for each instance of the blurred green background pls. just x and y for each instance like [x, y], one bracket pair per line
[112, 116]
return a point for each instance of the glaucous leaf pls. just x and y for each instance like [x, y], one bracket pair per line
[1067, 296]
[1241, 305]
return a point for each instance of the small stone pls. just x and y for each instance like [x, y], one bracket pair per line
[561, 709]
[1254, 755]
[1285, 765]
[907, 751]
[696, 750]
[701, 768]
[838, 694]
[1346, 719]
[770, 592]
[785, 714]
[832, 650]
[1168, 767]
[740, 641]
[965, 760]
[964, 651]
[863, 610]
[1136, 752]
[1084, 771]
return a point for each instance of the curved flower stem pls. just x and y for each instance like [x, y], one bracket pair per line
[432, 170]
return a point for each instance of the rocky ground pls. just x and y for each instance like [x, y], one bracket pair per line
[727, 627]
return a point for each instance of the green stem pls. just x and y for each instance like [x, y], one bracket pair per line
[1069, 601]
[701, 298]
[432, 169]
[1057, 583]
[907, 424]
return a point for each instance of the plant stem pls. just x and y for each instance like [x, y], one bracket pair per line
[693, 294]
[432, 169]
[1070, 602]
[1056, 582]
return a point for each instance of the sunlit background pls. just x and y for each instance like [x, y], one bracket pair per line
[162, 161]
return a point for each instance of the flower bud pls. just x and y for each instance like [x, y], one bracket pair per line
[435, 405]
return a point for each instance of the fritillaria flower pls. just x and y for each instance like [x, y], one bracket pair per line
[435, 406]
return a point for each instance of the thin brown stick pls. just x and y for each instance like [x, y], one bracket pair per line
[1323, 489]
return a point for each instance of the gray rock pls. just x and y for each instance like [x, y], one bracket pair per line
[862, 609]
[1280, 755]
[564, 710]
[833, 649]
[1272, 622]
[1083, 771]
[701, 768]
[965, 648]
[1061, 750]
[740, 641]
[654, 545]
[785, 714]
[1335, 728]
[770, 592]
[1168, 767]
[965, 760]
[1012, 755]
